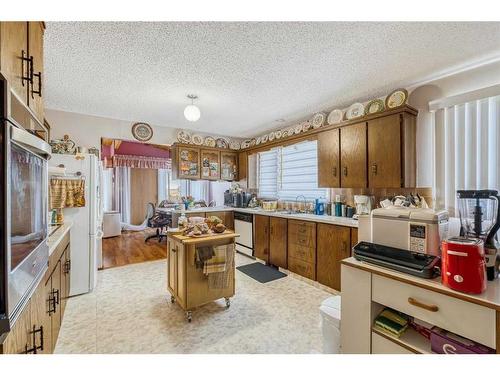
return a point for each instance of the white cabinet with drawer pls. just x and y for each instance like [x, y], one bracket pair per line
[461, 317]
[381, 345]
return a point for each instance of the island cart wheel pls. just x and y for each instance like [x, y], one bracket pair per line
[172, 299]
[189, 316]
[228, 302]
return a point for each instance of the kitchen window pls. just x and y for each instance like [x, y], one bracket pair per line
[290, 171]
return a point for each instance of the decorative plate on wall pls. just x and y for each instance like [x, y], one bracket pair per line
[265, 138]
[397, 98]
[210, 142]
[222, 143]
[278, 134]
[245, 144]
[335, 117]
[355, 110]
[258, 140]
[306, 125]
[272, 135]
[234, 145]
[142, 131]
[375, 106]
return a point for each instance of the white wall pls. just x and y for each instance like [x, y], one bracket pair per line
[470, 80]
[87, 130]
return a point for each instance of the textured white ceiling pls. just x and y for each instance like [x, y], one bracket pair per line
[247, 75]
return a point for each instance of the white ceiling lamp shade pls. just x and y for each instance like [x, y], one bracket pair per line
[191, 112]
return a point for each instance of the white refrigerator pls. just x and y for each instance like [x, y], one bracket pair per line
[86, 232]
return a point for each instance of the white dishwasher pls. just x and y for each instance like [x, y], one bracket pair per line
[243, 225]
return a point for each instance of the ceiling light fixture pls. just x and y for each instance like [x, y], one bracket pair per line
[191, 112]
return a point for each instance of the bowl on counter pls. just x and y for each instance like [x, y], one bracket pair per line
[269, 205]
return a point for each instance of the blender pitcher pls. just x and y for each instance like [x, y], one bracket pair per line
[480, 218]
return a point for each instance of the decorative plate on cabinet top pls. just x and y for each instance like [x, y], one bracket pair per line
[355, 110]
[375, 106]
[297, 129]
[318, 120]
[335, 117]
[306, 125]
[271, 137]
[245, 144]
[265, 138]
[222, 143]
[258, 141]
[278, 134]
[252, 142]
[197, 139]
[234, 145]
[184, 137]
[397, 98]
[210, 142]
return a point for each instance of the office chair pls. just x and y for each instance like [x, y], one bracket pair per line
[158, 220]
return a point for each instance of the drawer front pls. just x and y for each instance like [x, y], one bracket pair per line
[463, 318]
[302, 233]
[381, 345]
[306, 254]
[302, 268]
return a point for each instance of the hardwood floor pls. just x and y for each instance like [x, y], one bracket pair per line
[130, 248]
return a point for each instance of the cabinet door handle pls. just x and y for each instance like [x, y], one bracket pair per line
[374, 169]
[334, 171]
[39, 91]
[56, 297]
[345, 171]
[29, 60]
[414, 302]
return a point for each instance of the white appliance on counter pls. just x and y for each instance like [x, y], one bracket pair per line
[243, 225]
[86, 233]
[414, 229]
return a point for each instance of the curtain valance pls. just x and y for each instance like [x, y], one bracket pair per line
[135, 161]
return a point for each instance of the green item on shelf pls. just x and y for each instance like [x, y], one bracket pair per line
[395, 316]
[390, 325]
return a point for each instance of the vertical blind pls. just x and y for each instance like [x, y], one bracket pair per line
[299, 172]
[268, 174]
[287, 172]
[466, 149]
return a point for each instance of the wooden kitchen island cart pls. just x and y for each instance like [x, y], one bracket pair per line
[192, 283]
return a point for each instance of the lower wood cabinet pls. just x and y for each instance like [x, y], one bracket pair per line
[334, 244]
[227, 218]
[261, 237]
[37, 327]
[302, 248]
[278, 242]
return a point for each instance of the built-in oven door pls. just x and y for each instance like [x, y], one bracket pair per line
[27, 213]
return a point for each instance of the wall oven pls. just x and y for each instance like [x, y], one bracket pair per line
[24, 250]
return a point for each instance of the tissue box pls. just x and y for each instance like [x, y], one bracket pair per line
[444, 342]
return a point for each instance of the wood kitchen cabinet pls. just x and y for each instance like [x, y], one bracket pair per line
[37, 328]
[242, 165]
[353, 156]
[35, 48]
[301, 255]
[329, 159]
[261, 240]
[229, 165]
[188, 162]
[334, 244]
[210, 164]
[227, 217]
[13, 47]
[278, 242]
[176, 271]
[384, 152]
[21, 62]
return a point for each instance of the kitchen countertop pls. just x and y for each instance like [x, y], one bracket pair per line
[344, 221]
[58, 235]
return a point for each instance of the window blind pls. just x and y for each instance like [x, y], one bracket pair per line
[466, 149]
[268, 176]
[299, 172]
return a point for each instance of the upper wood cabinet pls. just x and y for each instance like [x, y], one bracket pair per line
[14, 57]
[353, 156]
[261, 237]
[35, 48]
[205, 163]
[242, 165]
[278, 241]
[210, 164]
[21, 62]
[229, 165]
[329, 158]
[384, 152]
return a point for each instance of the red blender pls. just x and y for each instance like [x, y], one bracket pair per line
[467, 260]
